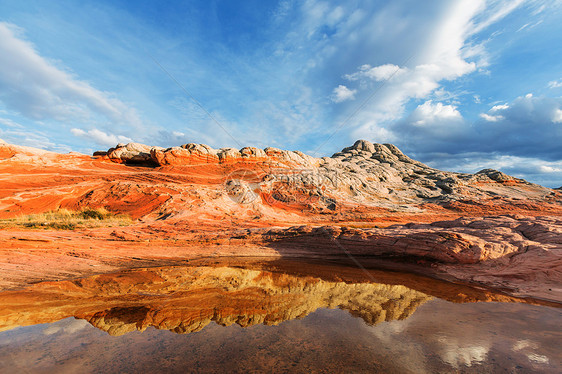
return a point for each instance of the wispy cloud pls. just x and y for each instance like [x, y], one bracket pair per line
[39, 90]
[10, 123]
[490, 118]
[555, 84]
[446, 56]
[100, 137]
[35, 139]
[377, 73]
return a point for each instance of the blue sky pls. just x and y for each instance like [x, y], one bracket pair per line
[461, 85]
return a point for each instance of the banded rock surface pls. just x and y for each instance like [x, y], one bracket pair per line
[366, 173]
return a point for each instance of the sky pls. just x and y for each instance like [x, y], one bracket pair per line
[461, 85]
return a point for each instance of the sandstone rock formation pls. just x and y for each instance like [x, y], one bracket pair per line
[131, 153]
[196, 201]
[521, 254]
[371, 175]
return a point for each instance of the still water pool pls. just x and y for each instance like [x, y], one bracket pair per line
[279, 319]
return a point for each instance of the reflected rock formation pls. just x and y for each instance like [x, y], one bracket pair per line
[186, 299]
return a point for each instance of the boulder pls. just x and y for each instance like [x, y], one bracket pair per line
[228, 155]
[495, 175]
[187, 154]
[131, 153]
[252, 152]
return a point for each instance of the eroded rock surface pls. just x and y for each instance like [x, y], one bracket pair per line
[365, 173]
[197, 201]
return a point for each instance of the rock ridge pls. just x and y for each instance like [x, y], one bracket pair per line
[365, 173]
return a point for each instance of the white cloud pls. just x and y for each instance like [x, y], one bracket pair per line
[39, 90]
[430, 113]
[334, 16]
[539, 10]
[370, 41]
[498, 10]
[449, 53]
[549, 169]
[35, 139]
[499, 107]
[8, 122]
[523, 27]
[555, 84]
[524, 137]
[490, 118]
[342, 93]
[521, 138]
[377, 73]
[100, 137]
[493, 115]
[557, 116]
[442, 58]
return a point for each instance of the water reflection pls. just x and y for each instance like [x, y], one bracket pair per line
[186, 299]
[320, 303]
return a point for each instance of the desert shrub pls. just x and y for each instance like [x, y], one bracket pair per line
[65, 219]
[100, 213]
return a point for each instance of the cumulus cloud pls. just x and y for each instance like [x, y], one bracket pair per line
[447, 55]
[429, 112]
[36, 88]
[431, 125]
[557, 116]
[529, 126]
[100, 137]
[521, 138]
[342, 93]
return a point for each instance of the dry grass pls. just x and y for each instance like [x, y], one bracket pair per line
[64, 219]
